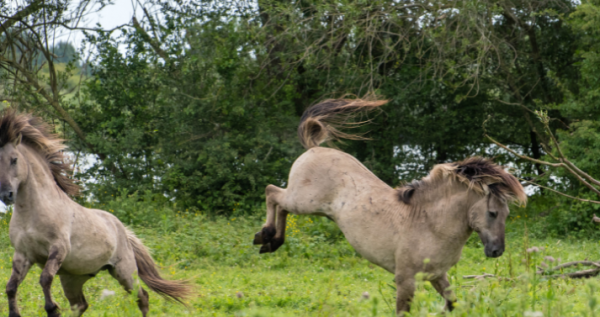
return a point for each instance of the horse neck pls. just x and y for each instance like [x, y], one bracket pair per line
[447, 205]
[39, 187]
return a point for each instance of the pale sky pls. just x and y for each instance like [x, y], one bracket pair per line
[121, 12]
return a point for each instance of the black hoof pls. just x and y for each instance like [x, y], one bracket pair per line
[53, 311]
[54, 314]
[271, 246]
[264, 236]
[266, 248]
[276, 243]
[258, 238]
[450, 305]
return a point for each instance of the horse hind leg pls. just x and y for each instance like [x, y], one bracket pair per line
[442, 286]
[20, 267]
[73, 288]
[123, 273]
[268, 231]
[279, 238]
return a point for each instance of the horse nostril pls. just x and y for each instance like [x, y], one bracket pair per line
[10, 194]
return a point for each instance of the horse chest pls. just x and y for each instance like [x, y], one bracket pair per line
[34, 249]
[32, 239]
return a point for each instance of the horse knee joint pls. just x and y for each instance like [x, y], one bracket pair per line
[271, 191]
[11, 289]
[46, 280]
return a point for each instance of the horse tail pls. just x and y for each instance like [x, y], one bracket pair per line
[322, 122]
[147, 271]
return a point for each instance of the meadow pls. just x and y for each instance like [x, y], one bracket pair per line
[317, 273]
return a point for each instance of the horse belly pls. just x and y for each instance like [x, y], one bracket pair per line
[90, 251]
[87, 260]
[371, 237]
[381, 257]
[421, 251]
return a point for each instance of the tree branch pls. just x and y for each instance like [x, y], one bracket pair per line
[149, 40]
[31, 8]
[52, 101]
[562, 194]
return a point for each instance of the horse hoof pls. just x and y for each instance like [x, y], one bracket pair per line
[264, 236]
[265, 249]
[53, 311]
[275, 244]
[258, 238]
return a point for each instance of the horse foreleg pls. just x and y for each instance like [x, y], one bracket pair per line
[405, 288]
[20, 267]
[442, 286]
[55, 259]
[279, 237]
[268, 231]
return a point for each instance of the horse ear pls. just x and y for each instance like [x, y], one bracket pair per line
[17, 140]
[405, 193]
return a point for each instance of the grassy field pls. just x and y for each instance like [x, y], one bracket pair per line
[316, 273]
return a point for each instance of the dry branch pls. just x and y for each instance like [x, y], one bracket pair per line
[560, 193]
[478, 276]
[577, 274]
[584, 178]
[20, 15]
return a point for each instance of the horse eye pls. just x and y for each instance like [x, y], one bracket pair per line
[493, 214]
[13, 161]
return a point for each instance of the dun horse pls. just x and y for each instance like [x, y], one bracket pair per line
[49, 229]
[420, 227]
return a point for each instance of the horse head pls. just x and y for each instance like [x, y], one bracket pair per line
[487, 217]
[13, 170]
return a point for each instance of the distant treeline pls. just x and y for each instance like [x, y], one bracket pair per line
[201, 101]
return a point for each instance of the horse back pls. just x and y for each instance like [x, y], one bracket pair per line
[323, 180]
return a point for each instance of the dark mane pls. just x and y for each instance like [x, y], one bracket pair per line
[36, 134]
[478, 173]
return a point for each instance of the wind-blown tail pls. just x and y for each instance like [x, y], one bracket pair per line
[147, 271]
[322, 121]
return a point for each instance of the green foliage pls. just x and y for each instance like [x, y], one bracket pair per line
[200, 104]
[209, 117]
[316, 272]
[580, 143]
[189, 130]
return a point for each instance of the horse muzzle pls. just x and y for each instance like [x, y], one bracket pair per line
[494, 250]
[7, 197]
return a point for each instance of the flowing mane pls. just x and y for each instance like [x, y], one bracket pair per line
[37, 134]
[479, 174]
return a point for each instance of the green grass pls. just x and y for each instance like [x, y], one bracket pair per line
[316, 273]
